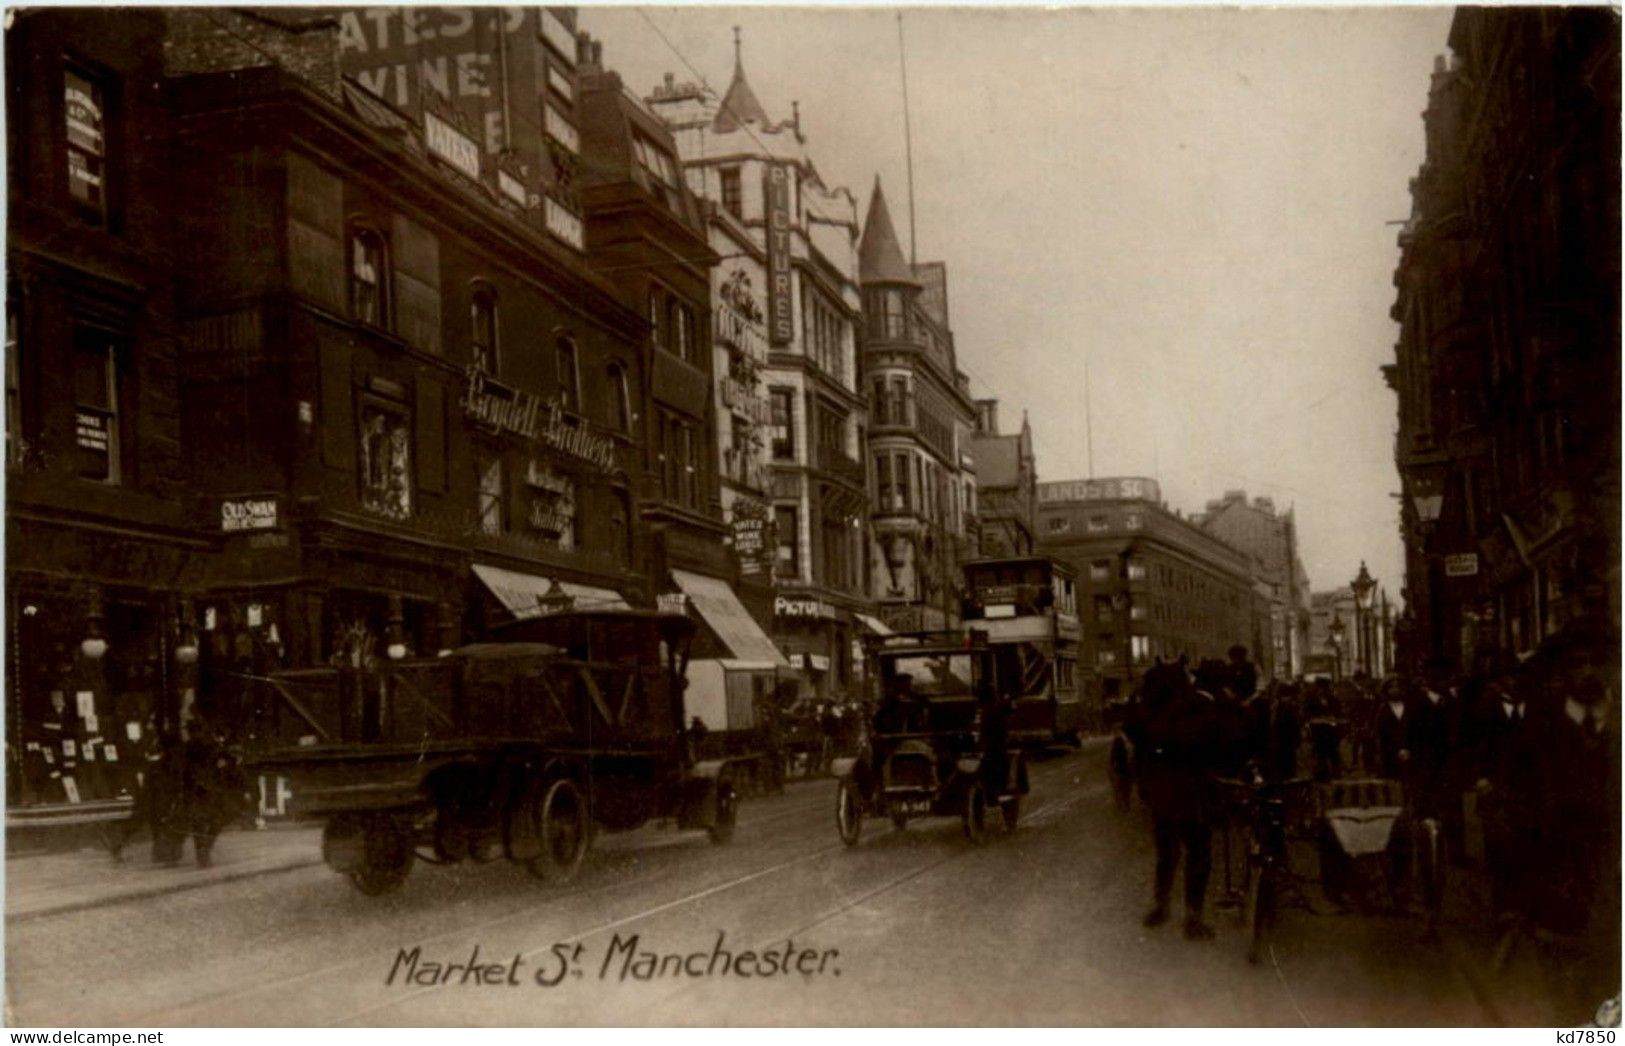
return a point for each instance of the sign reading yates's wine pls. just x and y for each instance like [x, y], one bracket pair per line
[780, 322]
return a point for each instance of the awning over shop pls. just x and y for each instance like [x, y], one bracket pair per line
[728, 618]
[527, 594]
[874, 625]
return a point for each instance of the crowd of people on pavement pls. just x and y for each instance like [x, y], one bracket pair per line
[1526, 750]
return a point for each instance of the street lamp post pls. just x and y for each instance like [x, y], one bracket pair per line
[1362, 586]
[1335, 641]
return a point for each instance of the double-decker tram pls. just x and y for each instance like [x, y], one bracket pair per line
[1027, 606]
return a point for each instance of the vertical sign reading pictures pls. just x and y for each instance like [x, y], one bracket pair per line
[780, 324]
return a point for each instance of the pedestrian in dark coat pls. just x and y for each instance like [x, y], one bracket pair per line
[1389, 732]
[160, 802]
[212, 789]
[1579, 811]
[1506, 757]
[1185, 743]
[1430, 738]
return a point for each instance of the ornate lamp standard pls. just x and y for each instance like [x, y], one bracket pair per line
[1362, 586]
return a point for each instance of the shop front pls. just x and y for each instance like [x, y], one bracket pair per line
[819, 638]
[98, 661]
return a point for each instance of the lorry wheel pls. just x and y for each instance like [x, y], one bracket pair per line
[722, 832]
[386, 859]
[848, 811]
[975, 813]
[562, 831]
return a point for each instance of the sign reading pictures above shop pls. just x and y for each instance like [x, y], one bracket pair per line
[800, 606]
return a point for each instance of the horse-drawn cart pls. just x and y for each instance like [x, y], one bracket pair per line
[515, 748]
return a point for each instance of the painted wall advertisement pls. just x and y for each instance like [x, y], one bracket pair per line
[780, 321]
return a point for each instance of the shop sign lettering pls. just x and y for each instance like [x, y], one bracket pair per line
[244, 514]
[497, 408]
[451, 145]
[780, 324]
[1463, 565]
[788, 606]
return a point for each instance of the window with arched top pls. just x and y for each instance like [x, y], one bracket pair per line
[657, 319]
[369, 269]
[569, 374]
[620, 399]
[482, 327]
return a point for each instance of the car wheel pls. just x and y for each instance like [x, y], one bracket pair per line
[562, 830]
[848, 811]
[975, 813]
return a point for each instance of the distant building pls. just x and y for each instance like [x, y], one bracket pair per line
[1006, 484]
[1151, 584]
[920, 420]
[1507, 368]
[1269, 539]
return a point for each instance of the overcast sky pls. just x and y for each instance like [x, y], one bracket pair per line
[1198, 201]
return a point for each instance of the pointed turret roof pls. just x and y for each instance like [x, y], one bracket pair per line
[740, 104]
[880, 258]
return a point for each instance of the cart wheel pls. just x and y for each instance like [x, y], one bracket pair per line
[722, 832]
[386, 859]
[975, 815]
[1011, 808]
[562, 831]
[848, 811]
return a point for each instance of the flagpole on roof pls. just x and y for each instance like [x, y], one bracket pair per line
[908, 139]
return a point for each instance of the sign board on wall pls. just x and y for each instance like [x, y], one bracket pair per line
[750, 522]
[1114, 489]
[780, 320]
[1463, 565]
[238, 515]
[409, 55]
[447, 143]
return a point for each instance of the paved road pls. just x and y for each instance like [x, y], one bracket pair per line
[913, 927]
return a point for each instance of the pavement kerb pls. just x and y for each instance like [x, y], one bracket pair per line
[225, 875]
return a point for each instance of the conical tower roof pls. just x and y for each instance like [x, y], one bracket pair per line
[740, 104]
[880, 259]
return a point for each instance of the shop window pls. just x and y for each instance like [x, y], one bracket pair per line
[1059, 524]
[386, 458]
[569, 375]
[786, 561]
[492, 496]
[368, 269]
[620, 399]
[784, 437]
[733, 196]
[97, 443]
[483, 328]
[85, 135]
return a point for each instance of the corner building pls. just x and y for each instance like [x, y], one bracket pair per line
[921, 420]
